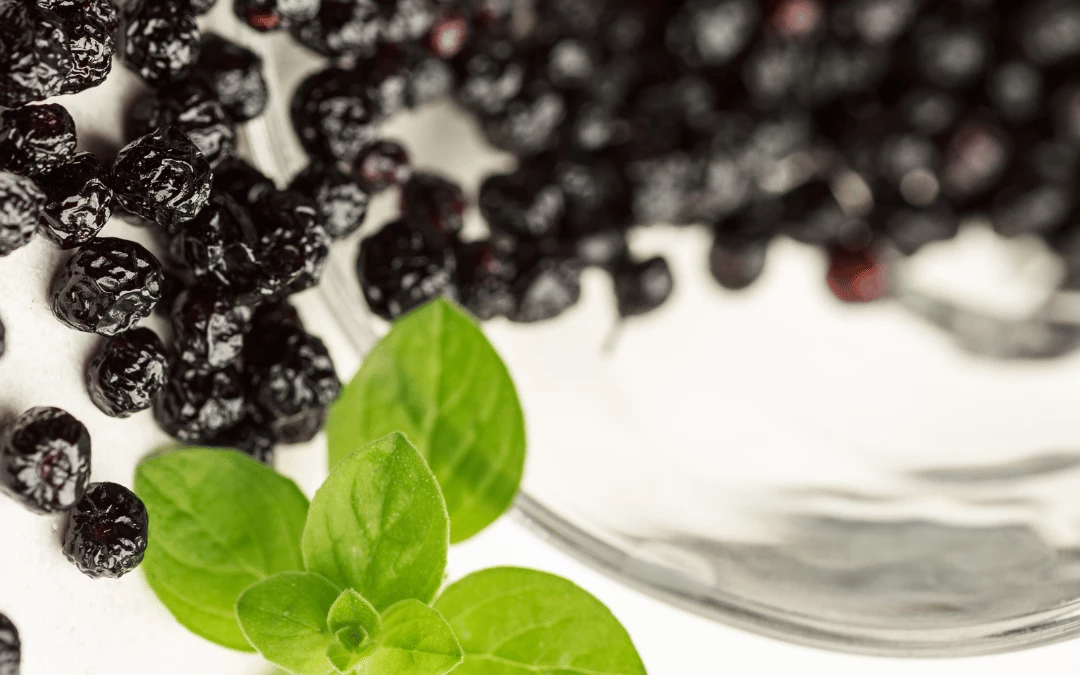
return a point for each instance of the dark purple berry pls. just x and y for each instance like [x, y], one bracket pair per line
[45, 460]
[107, 287]
[545, 288]
[235, 75]
[249, 437]
[35, 59]
[209, 329]
[127, 373]
[490, 76]
[103, 12]
[21, 204]
[293, 243]
[736, 265]
[221, 247]
[10, 647]
[341, 201]
[642, 287]
[522, 204]
[161, 40]
[107, 532]
[402, 267]
[910, 228]
[190, 106]
[856, 276]
[709, 33]
[383, 165]
[335, 115]
[202, 6]
[341, 27]
[92, 47]
[196, 407]
[267, 15]
[172, 285]
[241, 181]
[431, 200]
[36, 138]
[531, 120]
[80, 201]
[162, 177]
[486, 271]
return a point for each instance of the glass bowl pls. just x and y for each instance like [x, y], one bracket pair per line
[897, 479]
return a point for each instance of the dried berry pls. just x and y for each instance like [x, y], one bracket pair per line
[428, 199]
[172, 285]
[127, 373]
[249, 437]
[383, 165]
[267, 15]
[220, 247]
[209, 329]
[335, 115]
[196, 407]
[92, 47]
[546, 287]
[107, 287]
[107, 532]
[341, 202]
[448, 35]
[235, 75]
[36, 138]
[522, 204]
[340, 27]
[162, 177]
[486, 271]
[103, 12]
[642, 287]
[80, 201]
[402, 267]
[293, 243]
[34, 55]
[161, 40]
[45, 460]
[10, 647]
[291, 388]
[241, 181]
[191, 107]
[737, 264]
[21, 204]
[856, 276]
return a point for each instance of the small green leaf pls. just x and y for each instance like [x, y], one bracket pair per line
[220, 522]
[351, 610]
[284, 618]
[515, 621]
[415, 640]
[437, 379]
[379, 525]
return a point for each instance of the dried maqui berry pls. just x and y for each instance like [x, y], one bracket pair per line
[486, 271]
[220, 247]
[45, 460]
[241, 181]
[642, 287]
[335, 115]
[162, 177]
[402, 267]
[341, 201]
[36, 138]
[249, 437]
[107, 287]
[10, 647]
[21, 203]
[383, 165]
[191, 107]
[294, 244]
[35, 59]
[80, 201]
[196, 407]
[92, 46]
[209, 329]
[107, 532]
[161, 40]
[127, 373]
[235, 75]
[103, 12]
[428, 199]
[268, 15]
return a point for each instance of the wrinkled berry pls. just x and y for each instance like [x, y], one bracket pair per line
[35, 59]
[220, 246]
[107, 287]
[293, 242]
[161, 40]
[241, 181]
[103, 12]
[267, 15]
[80, 201]
[45, 460]
[127, 373]
[545, 288]
[402, 267]
[335, 115]
[522, 204]
[92, 47]
[209, 329]
[434, 201]
[195, 407]
[642, 287]
[235, 75]
[486, 271]
[249, 437]
[341, 27]
[341, 201]
[10, 647]
[21, 204]
[190, 106]
[107, 532]
[162, 177]
[36, 138]
[383, 165]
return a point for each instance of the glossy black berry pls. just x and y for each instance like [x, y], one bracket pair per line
[209, 329]
[10, 647]
[268, 15]
[161, 40]
[241, 181]
[291, 387]
[107, 287]
[383, 165]
[36, 138]
[642, 287]
[341, 201]
[294, 244]
[196, 407]
[21, 204]
[433, 201]
[335, 115]
[127, 373]
[235, 75]
[92, 46]
[272, 320]
[107, 532]
[162, 177]
[737, 264]
[45, 460]
[103, 12]
[249, 437]
[545, 288]
[341, 27]
[221, 247]
[522, 204]
[486, 270]
[191, 107]
[172, 285]
[35, 59]
[402, 267]
[80, 200]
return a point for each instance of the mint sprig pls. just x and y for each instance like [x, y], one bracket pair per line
[348, 584]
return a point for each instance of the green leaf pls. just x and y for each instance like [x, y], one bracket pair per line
[351, 610]
[284, 618]
[379, 525]
[515, 621]
[415, 640]
[220, 522]
[437, 379]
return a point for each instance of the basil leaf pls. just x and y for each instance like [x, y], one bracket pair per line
[379, 525]
[351, 612]
[415, 640]
[437, 379]
[284, 618]
[220, 521]
[515, 621]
